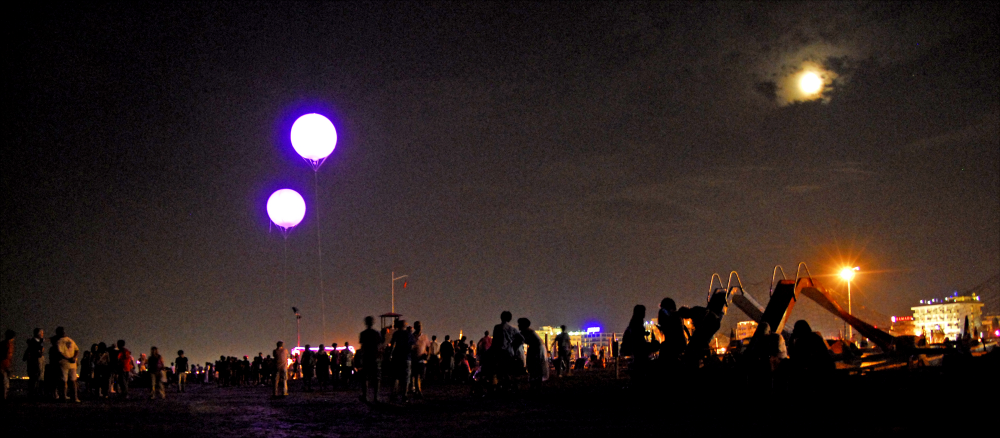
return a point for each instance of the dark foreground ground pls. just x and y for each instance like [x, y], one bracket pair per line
[591, 403]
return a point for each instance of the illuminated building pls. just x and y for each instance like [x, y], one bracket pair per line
[991, 326]
[745, 329]
[903, 326]
[939, 319]
[591, 338]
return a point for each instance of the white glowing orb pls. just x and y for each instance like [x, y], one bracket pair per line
[314, 137]
[286, 208]
[810, 83]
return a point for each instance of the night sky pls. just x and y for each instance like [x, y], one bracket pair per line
[564, 161]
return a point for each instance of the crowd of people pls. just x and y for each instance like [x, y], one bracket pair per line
[403, 357]
[107, 370]
[683, 346]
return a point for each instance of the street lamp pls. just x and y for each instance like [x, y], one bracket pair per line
[848, 274]
[394, 278]
[298, 337]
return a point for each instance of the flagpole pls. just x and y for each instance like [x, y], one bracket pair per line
[394, 278]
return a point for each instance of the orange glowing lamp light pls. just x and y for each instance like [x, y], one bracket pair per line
[848, 273]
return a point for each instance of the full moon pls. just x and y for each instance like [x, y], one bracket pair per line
[810, 83]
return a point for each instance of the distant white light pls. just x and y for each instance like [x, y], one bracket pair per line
[286, 208]
[593, 330]
[314, 137]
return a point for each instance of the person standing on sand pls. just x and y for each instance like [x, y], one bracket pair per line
[157, 374]
[308, 363]
[461, 370]
[420, 347]
[102, 371]
[6, 359]
[66, 352]
[334, 365]
[370, 341]
[503, 356]
[564, 348]
[34, 356]
[538, 365]
[322, 367]
[447, 350]
[483, 345]
[181, 368]
[123, 370]
[346, 364]
[281, 375]
[401, 360]
[433, 361]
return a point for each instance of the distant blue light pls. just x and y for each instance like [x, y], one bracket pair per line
[593, 330]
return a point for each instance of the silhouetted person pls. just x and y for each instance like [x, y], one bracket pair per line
[307, 361]
[181, 368]
[674, 333]
[502, 357]
[447, 358]
[281, 370]
[634, 343]
[421, 346]
[7, 359]
[322, 367]
[157, 374]
[433, 359]
[706, 321]
[402, 350]
[809, 352]
[461, 370]
[537, 363]
[483, 345]
[334, 364]
[65, 354]
[564, 349]
[346, 364]
[34, 357]
[103, 375]
[86, 368]
[123, 368]
[370, 341]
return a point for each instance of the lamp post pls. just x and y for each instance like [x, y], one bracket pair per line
[848, 275]
[394, 278]
[298, 337]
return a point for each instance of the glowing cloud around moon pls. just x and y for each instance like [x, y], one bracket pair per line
[314, 137]
[286, 208]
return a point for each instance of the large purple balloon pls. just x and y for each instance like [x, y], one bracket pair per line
[314, 137]
[286, 208]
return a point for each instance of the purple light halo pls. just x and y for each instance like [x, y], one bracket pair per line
[286, 208]
[313, 138]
